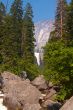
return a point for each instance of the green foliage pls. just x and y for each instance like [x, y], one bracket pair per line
[1, 59]
[17, 65]
[2, 11]
[58, 54]
[53, 36]
[2, 15]
[69, 23]
[32, 70]
[28, 35]
[58, 59]
[60, 18]
[16, 13]
[17, 40]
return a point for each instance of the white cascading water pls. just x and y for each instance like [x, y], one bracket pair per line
[2, 107]
[37, 55]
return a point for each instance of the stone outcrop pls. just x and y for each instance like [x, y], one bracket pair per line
[68, 105]
[7, 76]
[23, 91]
[19, 91]
[22, 94]
[40, 82]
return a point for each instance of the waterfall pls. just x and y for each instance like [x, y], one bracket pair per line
[2, 107]
[37, 55]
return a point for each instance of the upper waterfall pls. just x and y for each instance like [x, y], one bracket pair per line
[42, 34]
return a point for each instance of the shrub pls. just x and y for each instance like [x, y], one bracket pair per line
[58, 60]
[17, 65]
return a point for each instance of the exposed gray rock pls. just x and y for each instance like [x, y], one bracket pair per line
[42, 33]
[40, 82]
[68, 105]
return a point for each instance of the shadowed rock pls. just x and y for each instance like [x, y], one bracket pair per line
[1, 81]
[23, 75]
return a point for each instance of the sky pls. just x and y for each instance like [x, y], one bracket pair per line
[42, 9]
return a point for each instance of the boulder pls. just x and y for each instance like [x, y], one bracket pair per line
[11, 103]
[23, 74]
[21, 90]
[68, 105]
[50, 95]
[32, 107]
[51, 105]
[40, 82]
[8, 76]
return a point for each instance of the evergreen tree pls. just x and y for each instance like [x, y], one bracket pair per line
[2, 15]
[16, 14]
[28, 35]
[2, 11]
[69, 23]
[60, 18]
[8, 41]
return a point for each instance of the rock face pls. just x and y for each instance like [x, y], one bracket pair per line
[40, 82]
[68, 105]
[42, 33]
[19, 91]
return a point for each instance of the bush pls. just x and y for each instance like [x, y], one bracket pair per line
[58, 60]
[17, 65]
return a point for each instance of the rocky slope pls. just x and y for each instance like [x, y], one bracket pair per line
[23, 94]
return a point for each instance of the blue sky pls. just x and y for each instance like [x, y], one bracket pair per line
[43, 9]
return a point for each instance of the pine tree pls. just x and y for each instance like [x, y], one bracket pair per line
[28, 34]
[69, 23]
[2, 11]
[12, 32]
[8, 40]
[2, 16]
[17, 14]
[60, 18]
